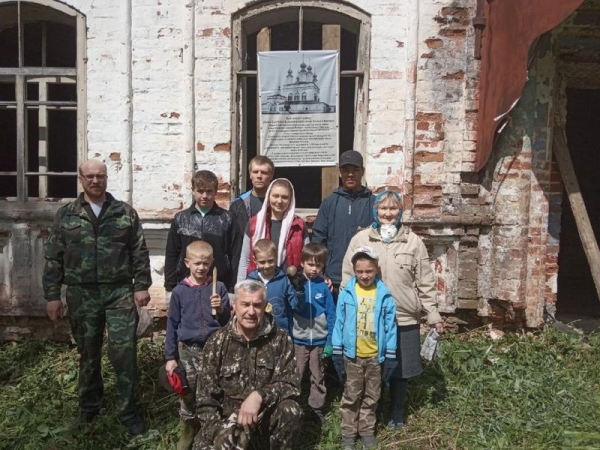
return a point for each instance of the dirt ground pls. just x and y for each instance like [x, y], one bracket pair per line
[587, 324]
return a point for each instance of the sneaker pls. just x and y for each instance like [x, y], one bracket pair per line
[347, 443]
[392, 425]
[135, 425]
[369, 442]
[319, 417]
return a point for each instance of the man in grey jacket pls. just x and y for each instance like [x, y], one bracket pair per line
[342, 214]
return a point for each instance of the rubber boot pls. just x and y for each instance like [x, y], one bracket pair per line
[397, 402]
[187, 433]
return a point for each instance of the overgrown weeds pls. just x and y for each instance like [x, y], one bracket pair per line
[526, 391]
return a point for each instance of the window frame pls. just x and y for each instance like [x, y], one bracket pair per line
[267, 14]
[20, 75]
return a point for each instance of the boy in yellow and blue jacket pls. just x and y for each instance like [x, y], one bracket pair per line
[364, 347]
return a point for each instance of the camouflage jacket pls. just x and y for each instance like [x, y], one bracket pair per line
[112, 251]
[231, 368]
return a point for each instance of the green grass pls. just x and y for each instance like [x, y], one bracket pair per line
[527, 391]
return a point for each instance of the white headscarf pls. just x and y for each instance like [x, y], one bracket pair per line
[260, 230]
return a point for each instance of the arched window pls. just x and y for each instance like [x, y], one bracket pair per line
[42, 119]
[289, 97]
[296, 97]
[304, 96]
[295, 25]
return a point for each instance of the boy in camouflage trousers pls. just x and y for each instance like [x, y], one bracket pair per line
[364, 337]
[191, 322]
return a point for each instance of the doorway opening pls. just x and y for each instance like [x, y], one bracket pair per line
[576, 290]
[300, 25]
[306, 180]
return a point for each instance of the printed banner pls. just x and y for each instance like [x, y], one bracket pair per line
[299, 121]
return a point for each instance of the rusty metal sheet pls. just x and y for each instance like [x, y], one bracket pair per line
[511, 27]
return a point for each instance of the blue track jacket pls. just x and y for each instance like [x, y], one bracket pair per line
[281, 296]
[344, 332]
[314, 318]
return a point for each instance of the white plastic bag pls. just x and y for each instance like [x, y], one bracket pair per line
[430, 350]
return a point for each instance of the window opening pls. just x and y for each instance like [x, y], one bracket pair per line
[300, 27]
[39, 90]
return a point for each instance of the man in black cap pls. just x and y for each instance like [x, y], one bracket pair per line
[342, 213]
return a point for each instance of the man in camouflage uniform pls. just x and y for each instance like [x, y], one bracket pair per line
[248, 379]
[97, 248]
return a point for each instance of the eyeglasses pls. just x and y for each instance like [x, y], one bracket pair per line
[90, 178]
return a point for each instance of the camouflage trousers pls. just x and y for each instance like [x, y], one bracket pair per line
[91, 309]
[189, 356]
[361, 395]
[278, 424]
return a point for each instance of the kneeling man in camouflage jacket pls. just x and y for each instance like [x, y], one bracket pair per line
[248, 379]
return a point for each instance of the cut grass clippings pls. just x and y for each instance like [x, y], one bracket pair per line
[526, 391]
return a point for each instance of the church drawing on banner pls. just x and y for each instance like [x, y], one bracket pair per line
[299, 96]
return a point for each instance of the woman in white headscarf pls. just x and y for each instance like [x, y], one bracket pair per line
[405, 270]
[277, 222]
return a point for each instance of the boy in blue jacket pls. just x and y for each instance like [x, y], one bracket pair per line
[364, 338]
[314, 319]
[190, 323]
[281, 296]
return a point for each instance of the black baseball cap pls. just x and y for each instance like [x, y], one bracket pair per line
[351, 157]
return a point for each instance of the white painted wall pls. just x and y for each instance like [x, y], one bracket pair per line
[161, 100]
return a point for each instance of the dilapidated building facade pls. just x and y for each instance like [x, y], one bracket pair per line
[452, 102]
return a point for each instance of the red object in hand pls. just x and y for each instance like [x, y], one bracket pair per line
[178, 380]
[175, 383]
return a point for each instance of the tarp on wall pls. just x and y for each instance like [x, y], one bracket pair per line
[511, 28]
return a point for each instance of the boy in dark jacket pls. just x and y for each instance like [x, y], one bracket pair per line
[194, 315]
[281, 297]
[342, 214]
[204, 221]
[314, 319]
